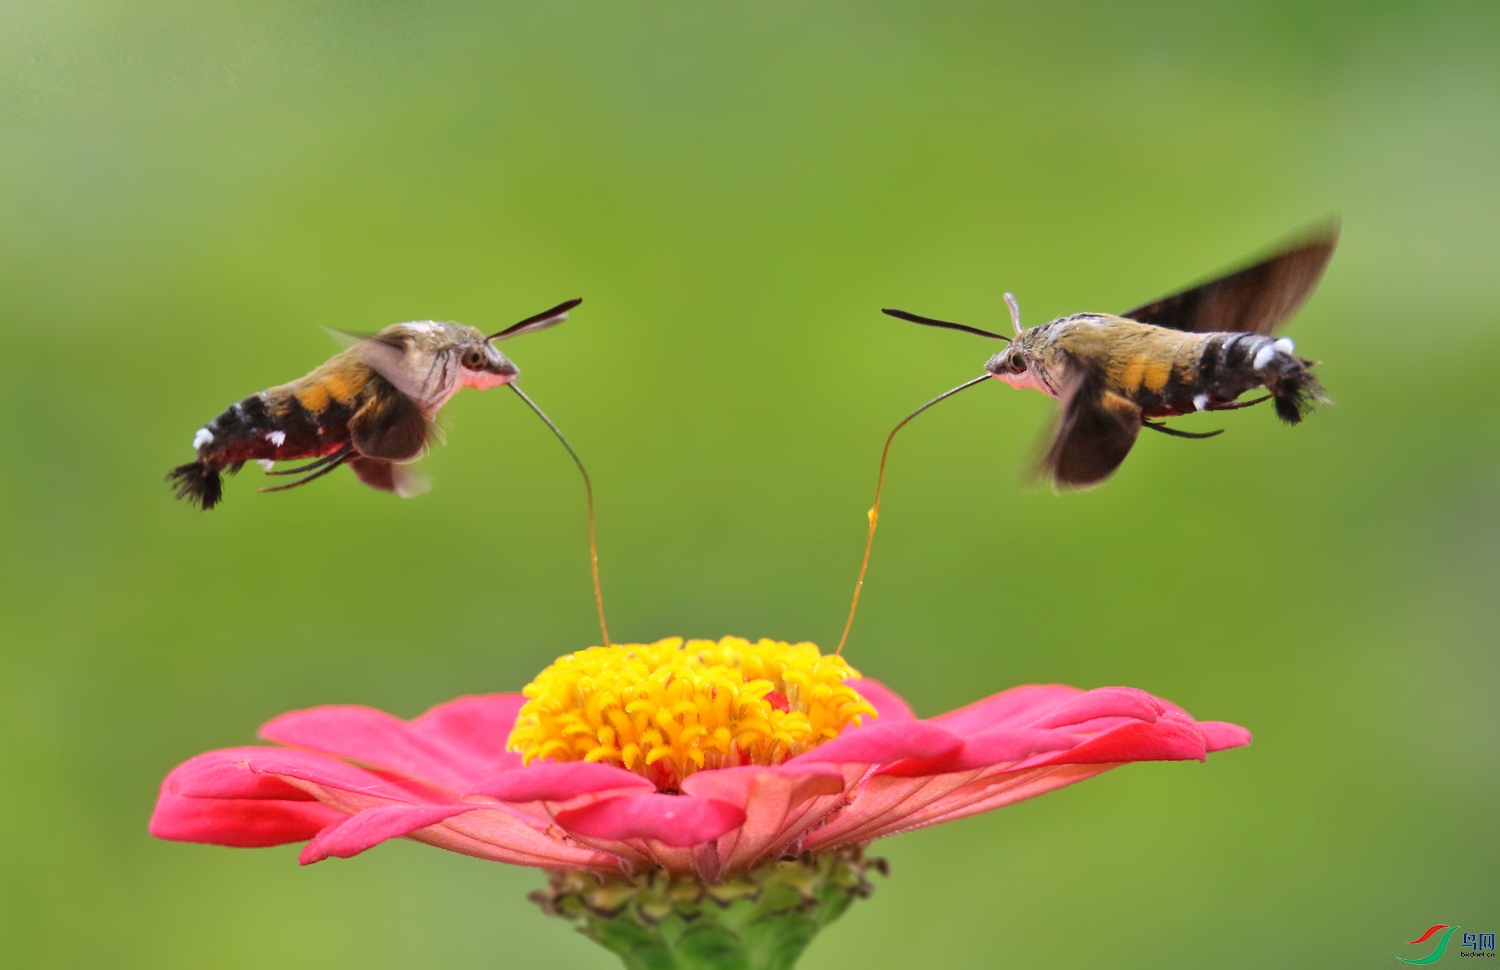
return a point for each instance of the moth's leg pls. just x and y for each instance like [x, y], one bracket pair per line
[1236, 405]
[340, 456]
[310, 466]
[1180, 434]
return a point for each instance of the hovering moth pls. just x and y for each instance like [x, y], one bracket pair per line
[371, 407]
[1198, 350]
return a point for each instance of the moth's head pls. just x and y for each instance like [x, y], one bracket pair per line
[1021, 364]
[481, 365]
[1014, 366]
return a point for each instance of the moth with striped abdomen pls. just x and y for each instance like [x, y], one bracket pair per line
[372, 407]
[1198, 350]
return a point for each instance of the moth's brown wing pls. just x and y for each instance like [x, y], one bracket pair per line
[1256, 299]
[1095, 432]
[387, 476]
[390, 426]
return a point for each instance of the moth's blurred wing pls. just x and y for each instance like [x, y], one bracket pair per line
[346, 338]
[538, 322]
[1256, 299]
[388, 476]
[1095, 431]
[391, 427]
[426, 377]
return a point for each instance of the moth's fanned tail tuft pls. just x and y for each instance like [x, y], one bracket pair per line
[198, 483]
[1296, 394]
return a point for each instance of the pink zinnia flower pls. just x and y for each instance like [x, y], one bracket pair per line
[701, 760]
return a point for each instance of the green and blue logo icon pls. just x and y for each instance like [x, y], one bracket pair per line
[1477, 944]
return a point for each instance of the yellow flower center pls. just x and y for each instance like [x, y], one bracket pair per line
[667, 709]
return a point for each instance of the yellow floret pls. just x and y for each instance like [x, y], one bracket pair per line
[667, 709]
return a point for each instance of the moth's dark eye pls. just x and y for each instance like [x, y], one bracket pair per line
[474, 359]
[1017, 364]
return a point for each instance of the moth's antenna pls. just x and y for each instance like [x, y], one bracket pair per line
[588, 488]
[1015, 312]
[945, 324]
[874, 513]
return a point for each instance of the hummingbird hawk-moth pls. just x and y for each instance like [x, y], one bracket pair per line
[371, 407]
[1198, 350]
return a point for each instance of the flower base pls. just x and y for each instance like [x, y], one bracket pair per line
[760, 920]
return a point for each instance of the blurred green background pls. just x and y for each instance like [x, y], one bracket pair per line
[189, 191]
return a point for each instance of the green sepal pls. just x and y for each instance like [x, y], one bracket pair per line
[757, 920]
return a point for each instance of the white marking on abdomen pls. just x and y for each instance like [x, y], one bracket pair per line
[1285, 345]
[277, 438]
[1264, 356]
[265, 463]
[203, 437]
[1201, 402]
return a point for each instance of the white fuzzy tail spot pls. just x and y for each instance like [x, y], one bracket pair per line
[277, 438]
[1264, 356]
[203, 437]
[1200, 402]
[1285, 345]
[265, 463]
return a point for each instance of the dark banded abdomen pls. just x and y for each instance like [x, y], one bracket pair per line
[274, 425]
[1214, 369]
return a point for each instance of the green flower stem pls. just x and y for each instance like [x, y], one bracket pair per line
[759, 920]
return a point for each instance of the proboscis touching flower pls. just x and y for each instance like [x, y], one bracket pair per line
[701, 784]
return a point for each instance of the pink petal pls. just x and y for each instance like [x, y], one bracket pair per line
[1016, 707]
[473, 730]
[887, 703]
[905, 795]
[225, 773]
[1006, 745]
[368, 736]
[373, 826]
[888, 804]
[324, 772]
[679, 821]
[883, 742]
[1103, 702]
[1173, 737]
[489, 832]
[250, 823]
[779, 804]
[1002, 790]
[1221, 735]
[559, 782]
